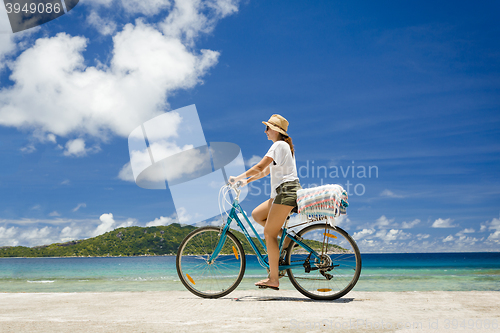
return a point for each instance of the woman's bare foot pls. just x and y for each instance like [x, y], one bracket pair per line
[268, 283]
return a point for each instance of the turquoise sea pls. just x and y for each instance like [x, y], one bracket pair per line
[381, 272]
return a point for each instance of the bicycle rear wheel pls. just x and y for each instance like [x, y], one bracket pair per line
[210, 280]
[338, 270]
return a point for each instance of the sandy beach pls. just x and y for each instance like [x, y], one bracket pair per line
[249, 310]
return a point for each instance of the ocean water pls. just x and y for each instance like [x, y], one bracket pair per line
[381, 272]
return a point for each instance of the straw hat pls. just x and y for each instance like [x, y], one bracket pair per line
[277, 123]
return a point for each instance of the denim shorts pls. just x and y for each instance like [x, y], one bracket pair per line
[287, 193]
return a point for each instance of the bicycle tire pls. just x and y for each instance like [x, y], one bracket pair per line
[210, 280]
[342, 257]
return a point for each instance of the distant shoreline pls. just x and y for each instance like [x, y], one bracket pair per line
[143, 255]
[248, 254]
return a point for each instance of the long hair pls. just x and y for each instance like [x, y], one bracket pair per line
[288, 140]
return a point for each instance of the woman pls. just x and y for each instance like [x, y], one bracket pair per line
[271, 214]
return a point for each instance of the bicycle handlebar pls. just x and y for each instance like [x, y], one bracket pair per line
[235, 185]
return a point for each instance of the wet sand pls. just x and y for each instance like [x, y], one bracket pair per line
[250, 310]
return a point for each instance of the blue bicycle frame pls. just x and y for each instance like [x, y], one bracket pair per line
[261, 258]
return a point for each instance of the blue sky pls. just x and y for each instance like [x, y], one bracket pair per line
[409, 89]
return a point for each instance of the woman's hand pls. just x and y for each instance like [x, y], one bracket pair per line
[234, 180]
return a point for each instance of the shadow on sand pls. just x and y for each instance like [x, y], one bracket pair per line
[288, 299]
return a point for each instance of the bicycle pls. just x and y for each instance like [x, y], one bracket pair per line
[322, 261]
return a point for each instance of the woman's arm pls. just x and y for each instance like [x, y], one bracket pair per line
[260, 175]
[258, 171]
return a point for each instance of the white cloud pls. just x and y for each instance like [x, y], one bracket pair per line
[6, 234]
[443, 223]
[128, 223]
[28, 149]
[462, 240]
[390, 194]
[197, 8]
[495, 237]
[189, 18]
[363, 233]
[494, 224]
[126, 173]
[96, 3]
[465, 231]
[448, 239]
[162, 221]
[40, 137]
[103, 25]
[409, 225]
[70, 233]
[253, 160]
[183, 216]
[51, 138]
[343, 221]
[149, 7]
[15, 236]
[37, 236]
[75, 148]
[33, 221]
[180, 216]
[80, 205]
[392, 235]
[224, 7]
[384, 222]
[423, 236]
[36, 207]
[371, 238]
[33, 232]
[107, 224]
[55, 91]
[54, 213]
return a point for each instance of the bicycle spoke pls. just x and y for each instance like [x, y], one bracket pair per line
[339, 259]
[218, 277]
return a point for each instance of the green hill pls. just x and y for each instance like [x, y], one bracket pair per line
[131, 241]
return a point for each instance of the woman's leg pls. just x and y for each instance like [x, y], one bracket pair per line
[275, 219]
[261, 212]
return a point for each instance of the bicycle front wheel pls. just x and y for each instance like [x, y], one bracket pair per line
[338, 270]
[210, 279]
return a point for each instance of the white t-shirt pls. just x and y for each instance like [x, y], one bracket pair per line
[284, 168]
